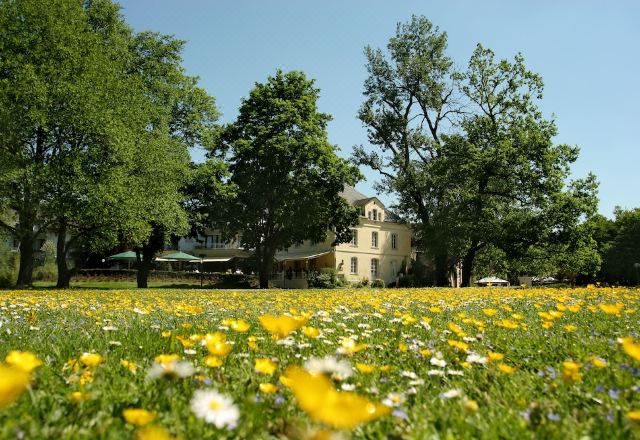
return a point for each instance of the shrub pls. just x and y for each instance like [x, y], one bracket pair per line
[408, 281]
[325, 278]
[378, 283]
[9, 262]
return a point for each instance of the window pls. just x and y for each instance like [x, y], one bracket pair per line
[394, 241]
[354, 238]
[369, 215]
[374, 239]
[374, 269]
[375, 214]
[354, 265]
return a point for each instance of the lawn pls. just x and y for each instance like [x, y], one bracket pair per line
[350, 363]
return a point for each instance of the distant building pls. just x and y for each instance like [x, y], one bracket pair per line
[380, 248]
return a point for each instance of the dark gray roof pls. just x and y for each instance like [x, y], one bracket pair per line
[351, 195]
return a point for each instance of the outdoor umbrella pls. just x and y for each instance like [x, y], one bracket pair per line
[181, 256]
[128, 256]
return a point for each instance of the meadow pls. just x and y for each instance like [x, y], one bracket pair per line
[349, 363]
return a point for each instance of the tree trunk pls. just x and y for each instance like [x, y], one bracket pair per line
[441, 270]
[265, 261]
[467, 266]
[142, 277]
[153, 245]
[64, 274]
[25, 273]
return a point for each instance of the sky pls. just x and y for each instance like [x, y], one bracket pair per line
[586, 51]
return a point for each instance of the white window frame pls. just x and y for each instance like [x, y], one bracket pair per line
[394, 241]
[354, 265]
[375, 215]
[374, 269]
[374, 240]
[354, 239]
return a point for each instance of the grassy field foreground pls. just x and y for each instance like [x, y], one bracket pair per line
[402, 363]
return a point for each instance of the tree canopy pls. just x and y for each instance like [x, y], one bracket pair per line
[287, 175]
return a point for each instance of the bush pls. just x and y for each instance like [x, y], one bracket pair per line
[378, 283]
[9, 262]
[408, 281]
[46, 272]
[325, 278]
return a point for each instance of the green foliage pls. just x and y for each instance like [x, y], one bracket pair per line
[325, 278]
[286, 173]
[619, 243]
[378, 283]
[469, 154]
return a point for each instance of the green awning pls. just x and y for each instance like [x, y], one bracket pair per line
[178, 256]
[128, 256]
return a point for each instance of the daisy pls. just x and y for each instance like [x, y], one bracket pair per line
[171, 370]
[215, 408]
[339, 369]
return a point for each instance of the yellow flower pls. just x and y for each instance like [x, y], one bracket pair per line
[575, 308]
[24, 360]
[265, 366]
[507, 323]
[91, 360]
[570, 328]
[217, 344]
[611, 309]
[281, 326]
[239, 325]
[138, 416]
[489, 312]
[166, 358]
[634, 415]
[435, 309]
[455, 328]
[385, 368]
[251, 342]
[154, 433]
[508, 369]
[407, 319]
[343, 410]
[493, 356]
[425, 352]
[571, 372]
[212, 361]
[166, 333]
[462, 346]
[268, 388]
[631, 348]
[349, 346]
[403, 347]
[470, 405]
[129, 365]
[79, 396]
[547, 324]
[13, 381]
[310, 332]
[598, 362]
[284, 380]
[364, 368]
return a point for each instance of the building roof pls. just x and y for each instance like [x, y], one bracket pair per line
[351, 195]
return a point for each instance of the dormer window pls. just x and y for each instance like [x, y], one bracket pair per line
[375, 215]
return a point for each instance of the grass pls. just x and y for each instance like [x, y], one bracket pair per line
[404, 336]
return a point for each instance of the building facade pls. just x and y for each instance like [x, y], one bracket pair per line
[380, 249]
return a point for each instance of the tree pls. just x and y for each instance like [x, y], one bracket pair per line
[621, 253]
[286, 173]
[468, 153]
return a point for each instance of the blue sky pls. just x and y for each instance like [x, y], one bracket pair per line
[586, 51]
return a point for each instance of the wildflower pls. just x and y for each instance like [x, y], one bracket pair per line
[339, 369]
[212, 361]
[310, 332]
[349, 346]
[475, 358]
[215, 408]
[239, 325]
[217, 344]
[166, 333]
[154, 433]
[611, 309]
[634, 415]
[24, 360]
[265, 366]
[456, 392]
[462, 346]
[631, 348]
[598, 362]
[489, 312]
[79, 396]
[170, 370]
[393, 400]
[317, 397]
[13, 381]
[507, 369]
[251, 342]
[281, 326]
[570, 328]
[364, 368]
[470, 405]
[571, 372]
[268, 388]
[91, 360]
[166, 358]
[132, 367]
[138, 416]
[507, 323]
[493, 356]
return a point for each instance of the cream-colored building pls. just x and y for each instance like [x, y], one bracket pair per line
[380, 248]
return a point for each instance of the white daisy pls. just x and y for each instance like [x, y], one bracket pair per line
[338, 369]
[438, 362]
[215, 408]
[171, 370]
